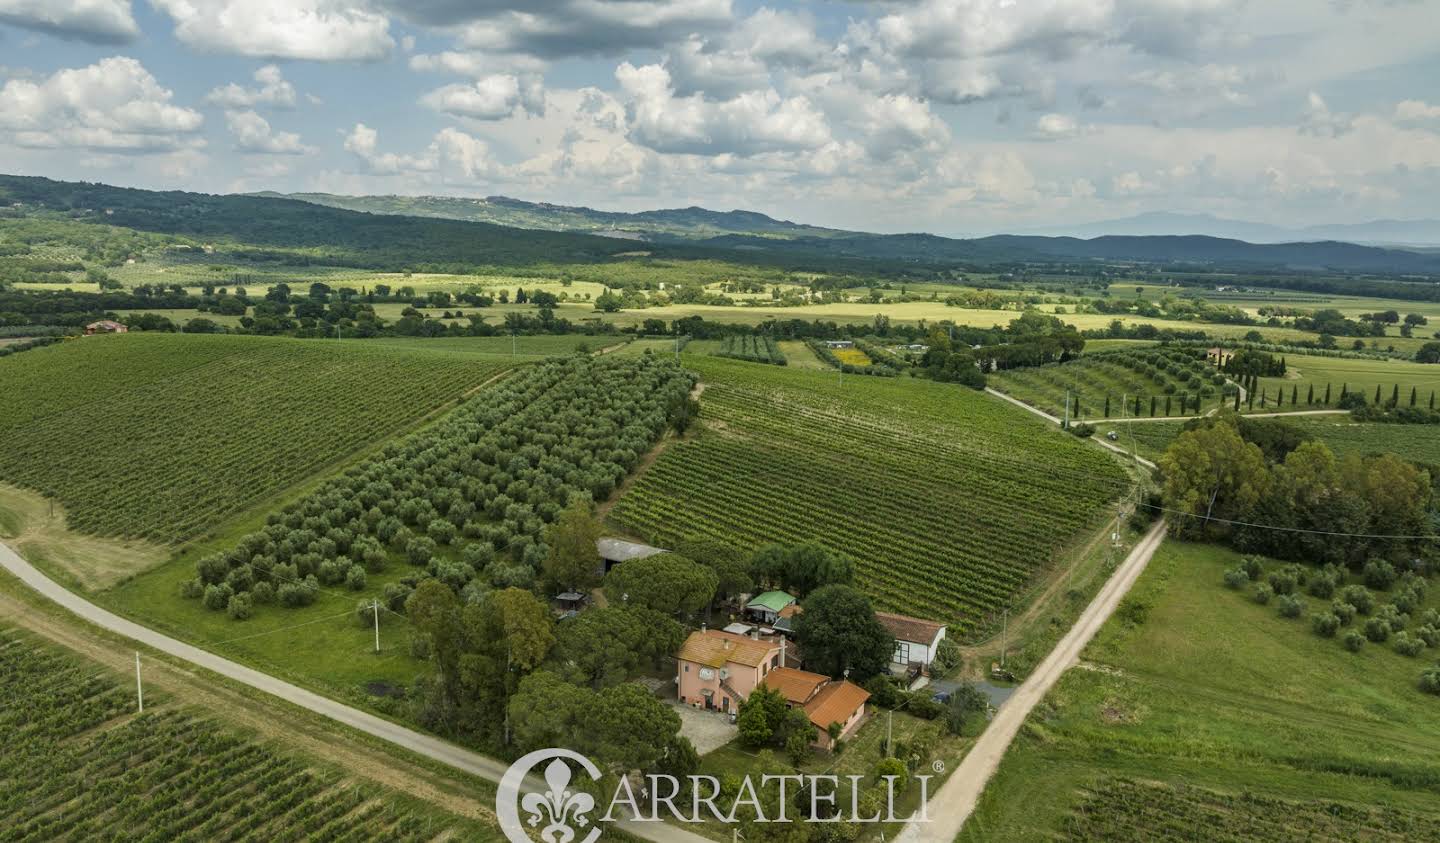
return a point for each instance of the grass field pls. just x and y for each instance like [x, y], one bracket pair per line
[949, 502]
[1413, 441]
[1362, 375]
[1189, 724]
[160, 436]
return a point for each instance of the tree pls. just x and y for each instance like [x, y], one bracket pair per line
[838, 630]
[1212, 472]
[666, 582]
[608, 302]
[801, 568]
[606, 646]
[573, 563]
[761, 716]
[1428, 353]
[732, 569]
[546, 711]
[629, 729]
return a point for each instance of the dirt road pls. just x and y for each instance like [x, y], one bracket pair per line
[426, 745]
[1104, 443]
[952, 805]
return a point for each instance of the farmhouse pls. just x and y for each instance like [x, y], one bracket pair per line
[613, 551]
[718, 670]
[766, 608]
[105, 326]
[823, 699]
[915, 639]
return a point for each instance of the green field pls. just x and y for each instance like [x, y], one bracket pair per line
[949, 502]
[1418, 442]
[78, 763]
[1106, 385]
[1192, 722]
[1362, 375]
[161, 436]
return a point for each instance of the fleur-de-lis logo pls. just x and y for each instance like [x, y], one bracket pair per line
[555, 806]
[555, 815]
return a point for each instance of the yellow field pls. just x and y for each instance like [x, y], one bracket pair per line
[851, 356]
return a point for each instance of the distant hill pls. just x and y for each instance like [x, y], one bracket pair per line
[1424, 232]
[290, 231]
[693, 223]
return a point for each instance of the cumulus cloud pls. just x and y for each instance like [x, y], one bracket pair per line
[488, 98]
[95, 21]
[271, 90]
[754, 122]
[254, 135]
[452, 156]
[566, 28]
[1319, 120]
[315, 30]
[113, 105]
[1416, 111]
[474, 63]
[1055, 126]
[899, 122]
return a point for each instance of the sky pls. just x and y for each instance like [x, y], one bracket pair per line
[950, 116]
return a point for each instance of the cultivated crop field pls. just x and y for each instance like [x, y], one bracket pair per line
[1418, 442]
[1174, 379]
[77, 763]
[159, 436]
[949, 502]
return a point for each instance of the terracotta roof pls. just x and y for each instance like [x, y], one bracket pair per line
[906, 628]
[713, 648]
[796, 686]
[835, 703]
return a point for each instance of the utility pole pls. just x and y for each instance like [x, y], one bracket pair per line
[1004, 635]
[139, 692]
[1065, 425]
[375, 610]
[512, 343]
[889, 733]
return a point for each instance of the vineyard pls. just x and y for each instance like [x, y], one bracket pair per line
[948, 502]
[752, 347]
[76, 763]
[466, 500]
[1124, 810]
[158, 436]
[1139, 382]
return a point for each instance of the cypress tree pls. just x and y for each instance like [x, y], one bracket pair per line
[1414, 394]
[1107, 406]
[1327, 393]
[1237, 400]
[1377, 394]
[1395, 396]
[1136, 412]
[1152, 406]
[1251, 401]
[1310, 398]
[1167, 405]
[1294, 394]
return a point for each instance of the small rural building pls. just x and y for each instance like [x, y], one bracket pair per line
[839, 344]
[613, 551]
[915, 639]
[766, 608]
[717, 670]
[105, 326]
[824, 700]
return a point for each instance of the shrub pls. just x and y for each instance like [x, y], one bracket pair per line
[1283, 582]
[1237, 578]
[1252, 567]
[1377, 630]
[192, 588]
[365, 614]
[1430, 635]
[441, 531]
[477, 555]
[1379, 574]
[1325, 624]
[419, 550]
[1397, 619]
[1082, 430]
[1360, 597]
[1291, 606]
[1430, 680]
[217, 597]
[1354, 641]
[1407, 646]
[239, 607]
[1263, 593]
[1342, 610]
[947, 657]
[893, 767]
[263, 593]
[355, 578]
[1405, 600]
[1321, 585]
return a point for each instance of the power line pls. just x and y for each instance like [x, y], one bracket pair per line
[1236, 523]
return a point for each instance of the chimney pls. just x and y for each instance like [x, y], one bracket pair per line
[783, 643]
[702, 626]
[754, 634]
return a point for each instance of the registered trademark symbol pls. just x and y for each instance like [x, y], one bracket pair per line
[938, 766]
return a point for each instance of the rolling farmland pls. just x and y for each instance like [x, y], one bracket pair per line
[187, 429]
[948, 502]
[166, 774]
[1174, 379]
